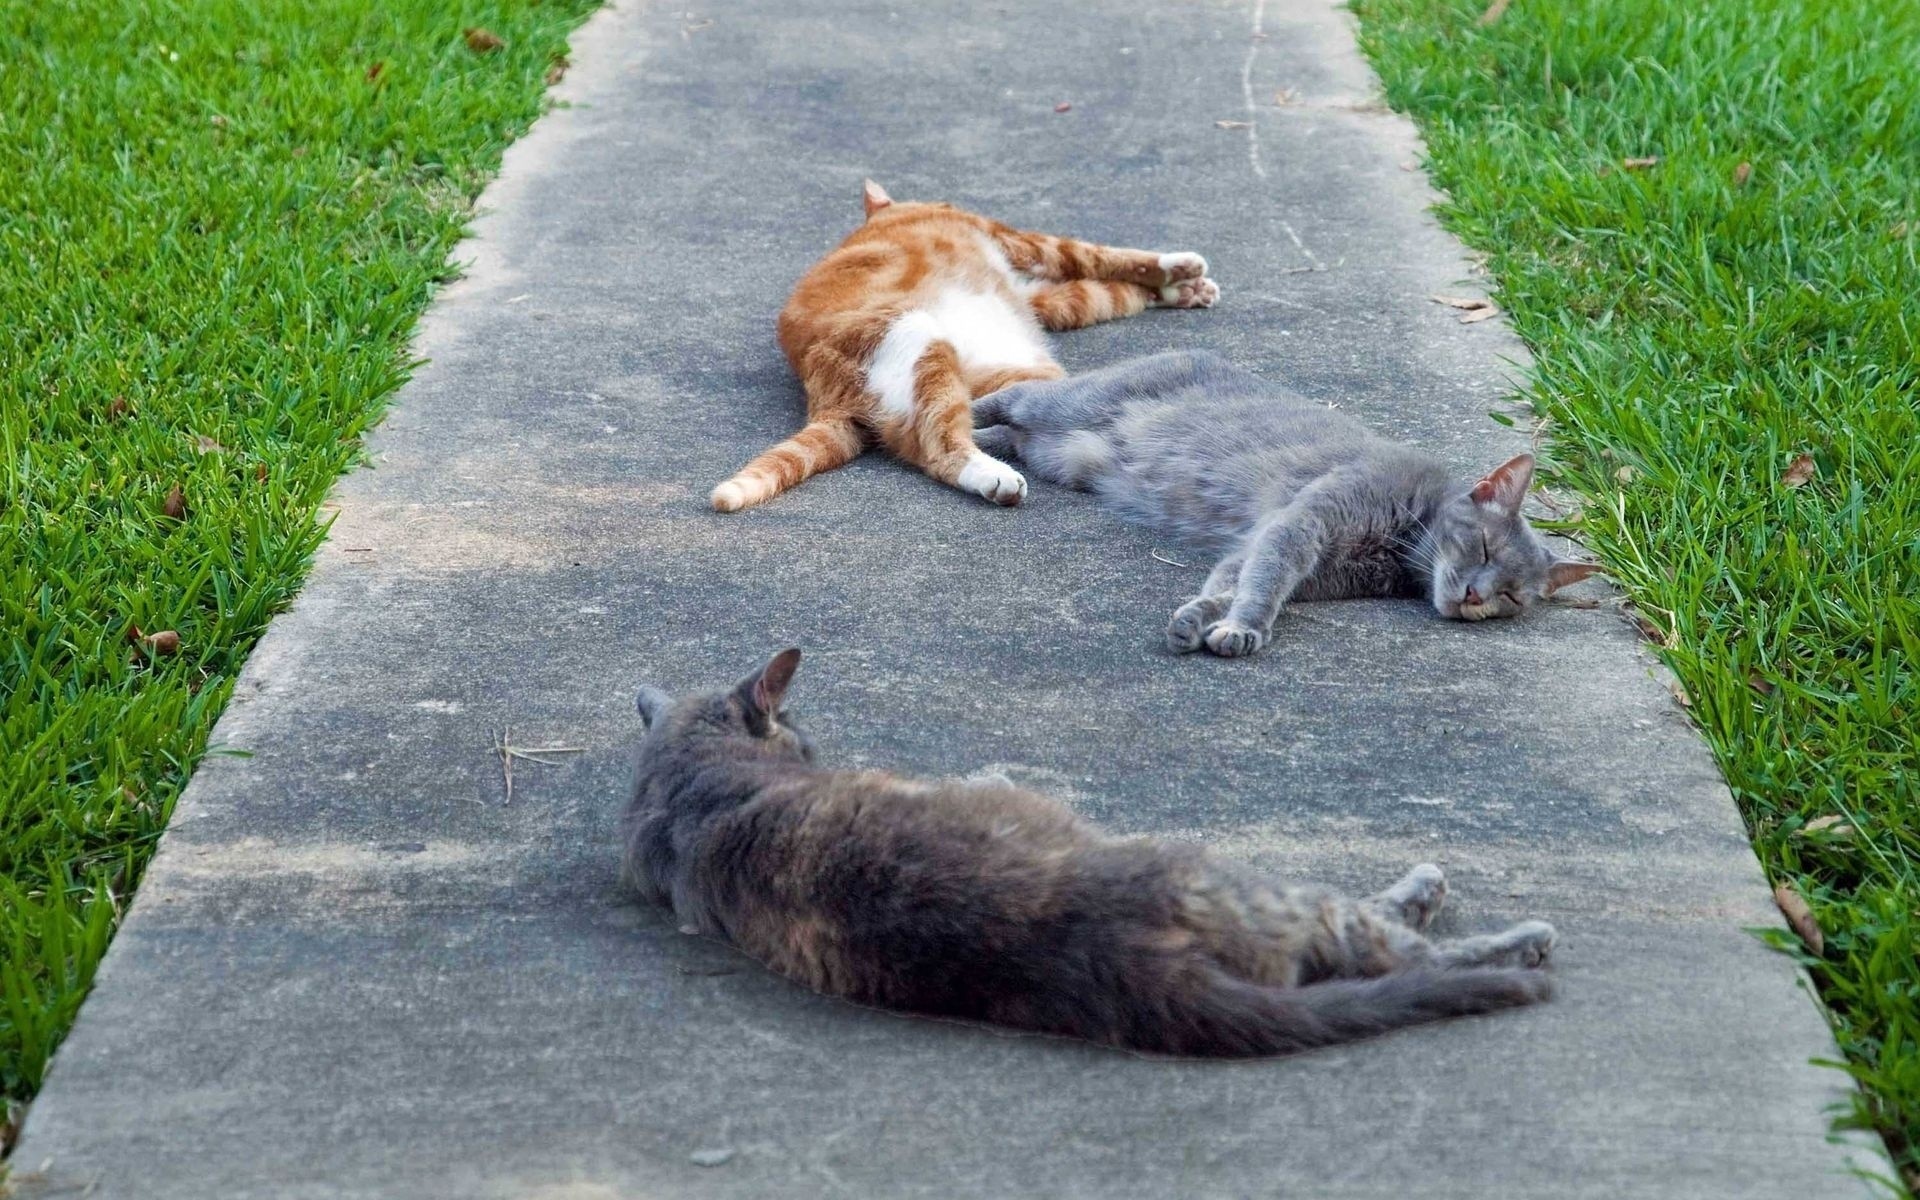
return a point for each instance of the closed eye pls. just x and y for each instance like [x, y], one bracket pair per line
[1486, 555]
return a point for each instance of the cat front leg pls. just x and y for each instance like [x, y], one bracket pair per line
[1281, 553]
[1047, 257]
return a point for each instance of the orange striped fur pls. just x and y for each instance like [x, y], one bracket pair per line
[925, 307]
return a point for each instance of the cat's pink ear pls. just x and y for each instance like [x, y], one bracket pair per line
[1566, 571]
[1506, 485]
[769, 687]
[876, 198]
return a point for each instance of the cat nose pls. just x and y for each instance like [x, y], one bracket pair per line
[1473, 596]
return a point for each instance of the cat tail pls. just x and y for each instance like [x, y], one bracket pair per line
[1235, 1018]
[824, 444]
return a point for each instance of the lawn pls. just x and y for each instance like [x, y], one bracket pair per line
[1703, 218]
[218, 222]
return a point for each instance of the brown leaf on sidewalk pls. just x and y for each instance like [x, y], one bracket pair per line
[1800, 472]
[1480, 314]
[483, 41]
[1799, 916]
[1063, 106]
[1468, 302]
[175, 505]
[1494, 12]
[1680, 694]
[1742, 173]
[1233, 124]
[1638, 164]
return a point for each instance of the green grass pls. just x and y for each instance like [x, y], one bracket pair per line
[1697, 326]
[218, 222]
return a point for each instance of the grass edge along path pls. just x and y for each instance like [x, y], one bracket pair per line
[219, 222]
[1703, 222]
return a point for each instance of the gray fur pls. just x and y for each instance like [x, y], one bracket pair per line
[1299, 501]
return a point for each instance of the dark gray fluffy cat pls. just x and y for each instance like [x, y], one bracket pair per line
[982, 900]
[1302, 502]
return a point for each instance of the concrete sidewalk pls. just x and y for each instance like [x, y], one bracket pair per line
[357, 970]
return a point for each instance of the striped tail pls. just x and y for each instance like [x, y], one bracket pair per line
[823, 445]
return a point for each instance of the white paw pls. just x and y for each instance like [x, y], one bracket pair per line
[1182, 264]
[1190, 293]
[987, 476]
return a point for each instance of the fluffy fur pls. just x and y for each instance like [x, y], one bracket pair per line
[985, 901]
[1301, 501]
[925, 307]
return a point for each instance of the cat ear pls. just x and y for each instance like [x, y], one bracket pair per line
[653, 704]
[1506, 485]
[1566, 571]
[764, 690]
[876, 198]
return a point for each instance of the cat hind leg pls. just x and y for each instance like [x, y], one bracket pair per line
[934, 430]
[1527, 944]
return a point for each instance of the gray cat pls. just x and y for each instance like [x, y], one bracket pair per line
[984, 901]
[1302, 502]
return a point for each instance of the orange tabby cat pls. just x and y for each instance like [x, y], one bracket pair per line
[925, 307]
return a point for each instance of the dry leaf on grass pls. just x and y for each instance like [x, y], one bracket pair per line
[1624, 474]
[163, 643]
[1480, 314]
[1833, 825]
[1493, 13]
[1799, 916]
[558, 71]
[1742, 173]
[1233, 124]
[1759, 683]
[483, 41]
[1800, 473]
[373, 72]
[207, 445]
[1898, 231]
[118, 408]
[1680, 694]
[175, 505]
[260, 472]
[1639, 164]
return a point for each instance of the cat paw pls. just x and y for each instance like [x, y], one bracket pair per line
[1532, 943]
[992, 479]
[1420, 895]
[1230, 639]
[1182, 264]
[1187, 629]
[1189, 293]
